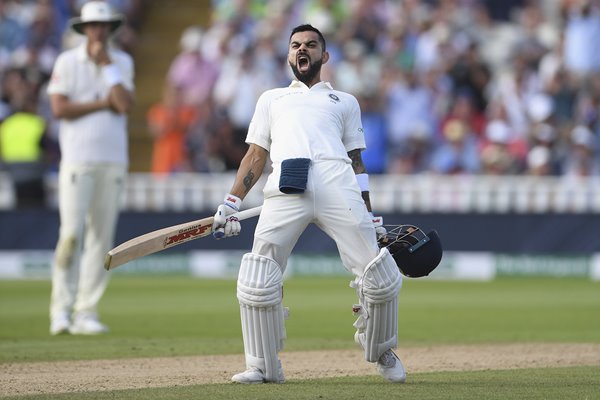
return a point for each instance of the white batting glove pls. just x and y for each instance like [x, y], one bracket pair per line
[225, 224]
[378, 224]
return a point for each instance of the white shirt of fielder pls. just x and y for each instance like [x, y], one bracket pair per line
[98, 137]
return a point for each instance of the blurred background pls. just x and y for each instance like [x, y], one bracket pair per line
[481, 117]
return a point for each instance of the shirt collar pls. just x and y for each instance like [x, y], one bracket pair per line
[297, 84]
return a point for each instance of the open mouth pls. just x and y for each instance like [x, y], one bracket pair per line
[303, 62]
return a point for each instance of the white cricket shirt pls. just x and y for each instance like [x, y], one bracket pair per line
[101, 136]
[301, 122]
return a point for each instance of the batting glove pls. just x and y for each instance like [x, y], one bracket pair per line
[378, 224]
[225, 224]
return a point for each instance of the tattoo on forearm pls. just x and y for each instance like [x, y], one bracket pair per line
[248, 181]
[357, 163]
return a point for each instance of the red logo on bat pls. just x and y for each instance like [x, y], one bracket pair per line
[187, 234]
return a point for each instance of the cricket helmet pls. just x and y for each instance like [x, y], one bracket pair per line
[415, 253]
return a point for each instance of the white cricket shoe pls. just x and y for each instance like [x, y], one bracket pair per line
[255, 375]
[87, 324]
[391, 368]
[60, 324]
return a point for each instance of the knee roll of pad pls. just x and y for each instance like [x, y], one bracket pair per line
[377, 289]
[259, 292]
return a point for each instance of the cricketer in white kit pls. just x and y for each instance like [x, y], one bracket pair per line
[314, 137]
[91, 91]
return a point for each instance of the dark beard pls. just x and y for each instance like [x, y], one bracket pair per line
[308, 76]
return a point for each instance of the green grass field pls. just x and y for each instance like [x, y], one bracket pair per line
[175, 316]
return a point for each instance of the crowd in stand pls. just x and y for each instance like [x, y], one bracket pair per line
[445, 86]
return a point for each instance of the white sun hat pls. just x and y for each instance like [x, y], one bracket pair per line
[96, 11]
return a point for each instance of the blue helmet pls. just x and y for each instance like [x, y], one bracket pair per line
[415, 253]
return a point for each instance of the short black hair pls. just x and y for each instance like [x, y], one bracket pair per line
[309, 27]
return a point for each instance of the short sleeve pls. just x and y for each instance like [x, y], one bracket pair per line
[59, 80]
[353, 137]
[259, 131]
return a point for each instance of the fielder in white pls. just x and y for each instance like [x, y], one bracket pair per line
[91, 91]
[314, 137]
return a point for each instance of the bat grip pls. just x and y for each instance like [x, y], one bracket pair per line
[249, 213]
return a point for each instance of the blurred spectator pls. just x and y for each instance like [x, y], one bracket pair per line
[433, 35]
[458, 153]
[358, 72]
[545, 135]
[497, 155]
[536, 36]
[582, 22]
[213, 145]
[408, 106]
[240, 84]
[38, 53]
[582, 158]
[328, 15]
[470, 76]
[464, 109]
[12, 33]
[363, 23]
[558, 83]
[395, 49]
[496, 37]
[539, 161]
[191, 71]
[169, 122]
[21, 152]
[415, 156]
[512, 94]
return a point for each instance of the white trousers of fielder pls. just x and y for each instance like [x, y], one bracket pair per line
[89, 202]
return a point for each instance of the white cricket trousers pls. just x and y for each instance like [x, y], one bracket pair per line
[89, 202]
[333, 202]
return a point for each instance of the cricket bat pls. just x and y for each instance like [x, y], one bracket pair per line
[164, 238]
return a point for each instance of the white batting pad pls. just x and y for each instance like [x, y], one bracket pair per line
[378, 289]
[259, 291]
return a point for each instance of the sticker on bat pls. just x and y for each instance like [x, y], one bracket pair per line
[187, 234]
